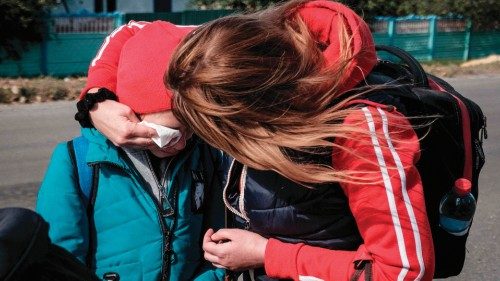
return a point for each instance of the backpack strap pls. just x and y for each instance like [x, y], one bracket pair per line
[416, 69]
[78, 148]
[88, 180]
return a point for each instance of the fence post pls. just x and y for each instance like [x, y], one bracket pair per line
[468, 30]
[184, 18]
[43, 46]
[391, 30]
[119, 19]
[432, 36]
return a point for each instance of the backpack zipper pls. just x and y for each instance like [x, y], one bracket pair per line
[484, 132]
[466, 133]
[466, 130]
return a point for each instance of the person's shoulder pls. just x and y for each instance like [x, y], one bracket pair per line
[166, 27]
[60, 150]
[374, 113]
[204, 146]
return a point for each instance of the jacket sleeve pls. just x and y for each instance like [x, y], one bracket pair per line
[103, 68]
[60, 204]
[390, 211]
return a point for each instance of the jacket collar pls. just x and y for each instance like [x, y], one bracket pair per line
[101, 150]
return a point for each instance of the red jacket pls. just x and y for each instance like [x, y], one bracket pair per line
[390, 213]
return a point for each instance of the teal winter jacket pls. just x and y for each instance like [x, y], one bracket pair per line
[127, 230]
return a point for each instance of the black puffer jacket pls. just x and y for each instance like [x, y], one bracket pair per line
[274, 206]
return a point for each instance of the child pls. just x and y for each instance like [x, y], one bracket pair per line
[149, 213]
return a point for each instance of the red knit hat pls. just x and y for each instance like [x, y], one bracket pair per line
[143, 62]
[323, 19]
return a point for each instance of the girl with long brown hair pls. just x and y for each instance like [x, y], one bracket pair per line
[328, 186]
[325, 187]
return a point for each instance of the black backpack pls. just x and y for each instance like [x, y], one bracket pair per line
[451, 147]
[26, 252]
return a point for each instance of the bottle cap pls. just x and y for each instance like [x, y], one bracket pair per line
[463, 186]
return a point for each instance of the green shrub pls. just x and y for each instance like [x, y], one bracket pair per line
[27, 94]
[6, 95]
[60, 93]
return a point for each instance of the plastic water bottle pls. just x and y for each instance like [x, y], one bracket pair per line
[457, 208]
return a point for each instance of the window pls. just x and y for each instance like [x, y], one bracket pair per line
[162, 5]
[98, 6]
[101, 6]
[111, 5]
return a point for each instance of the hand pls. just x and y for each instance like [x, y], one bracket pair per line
[120, 125]
[234, 249]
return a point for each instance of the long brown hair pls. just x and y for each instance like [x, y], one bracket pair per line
[256, 86]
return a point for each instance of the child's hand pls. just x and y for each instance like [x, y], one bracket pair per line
[234, 249]
[119, 124]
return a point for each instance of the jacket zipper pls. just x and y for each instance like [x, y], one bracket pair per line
[164, 229]
[163, 226]
[241, 200]
[162, 186]
[167, 251]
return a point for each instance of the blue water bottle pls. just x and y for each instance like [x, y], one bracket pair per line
[457, 208]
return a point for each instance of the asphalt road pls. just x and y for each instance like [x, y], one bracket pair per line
[28, 134]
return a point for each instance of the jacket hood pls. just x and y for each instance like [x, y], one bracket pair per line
[324, 19]
[143, 62]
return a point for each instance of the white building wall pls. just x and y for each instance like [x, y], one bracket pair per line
[75, 6]
[180, 5]
[124, 6]
[133, 6]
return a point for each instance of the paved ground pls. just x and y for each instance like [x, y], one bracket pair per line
[29, 132]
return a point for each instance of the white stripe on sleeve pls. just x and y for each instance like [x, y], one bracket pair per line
[409, 207]
[309, 278]
[390, 195]
[108, 38]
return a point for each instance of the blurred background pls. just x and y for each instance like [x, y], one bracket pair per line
[59, 37]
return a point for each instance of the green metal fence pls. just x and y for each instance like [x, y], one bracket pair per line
[74, 39]
[182, 18]
[434, 38]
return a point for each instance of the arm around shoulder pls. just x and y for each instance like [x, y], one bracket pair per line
[390, 212]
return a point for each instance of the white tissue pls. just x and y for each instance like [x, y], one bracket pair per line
[166, 135]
